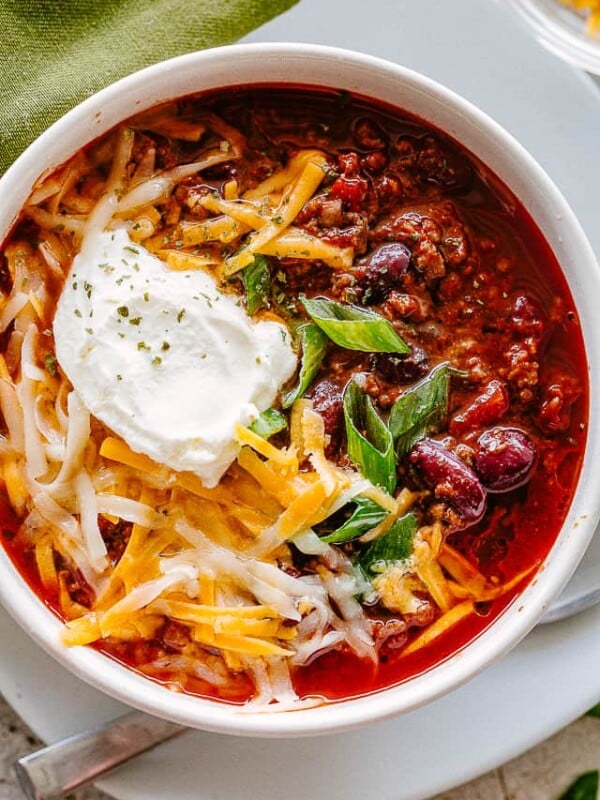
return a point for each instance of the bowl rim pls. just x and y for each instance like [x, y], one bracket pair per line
[521, 615]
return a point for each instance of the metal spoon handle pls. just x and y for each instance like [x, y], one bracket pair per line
[62, 767]
[562, 609]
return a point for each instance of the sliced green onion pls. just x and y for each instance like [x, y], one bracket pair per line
[395, 545]
[314, 344]
[269, 423]
[373, 450]
[354, 328]
[420, 410]
[365, 517]
[256, 278]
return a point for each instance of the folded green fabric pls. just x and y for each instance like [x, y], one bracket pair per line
[55, 53]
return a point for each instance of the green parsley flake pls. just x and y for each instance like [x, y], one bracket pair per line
[142, 346]
[165, 346]
[181, 315]
[50, 364]
[156, 361]
[78, 313]
[123, 311]
[135, 320]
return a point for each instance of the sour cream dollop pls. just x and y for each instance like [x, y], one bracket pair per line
[163, 358]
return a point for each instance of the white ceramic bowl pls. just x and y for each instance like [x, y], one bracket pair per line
[323, 66]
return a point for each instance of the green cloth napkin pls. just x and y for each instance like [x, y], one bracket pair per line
[55, 53]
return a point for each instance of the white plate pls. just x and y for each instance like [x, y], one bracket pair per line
[477, 48]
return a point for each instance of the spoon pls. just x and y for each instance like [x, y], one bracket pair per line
[60, 768]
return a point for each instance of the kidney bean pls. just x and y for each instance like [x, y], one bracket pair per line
[504, 458]
[382, 269]
[327, 401]
[395, 368]
[391, 260]
[486, 409]
[450, 478]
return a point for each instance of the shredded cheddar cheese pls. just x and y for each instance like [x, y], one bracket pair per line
[592, 10]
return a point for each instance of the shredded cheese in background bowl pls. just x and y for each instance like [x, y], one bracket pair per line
[591, 10]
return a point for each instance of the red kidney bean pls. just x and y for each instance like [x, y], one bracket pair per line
[391, 260]
[395, 368]
[504, 459]
[486, 409]
[381, 270]
[327, 401]
[450, 478]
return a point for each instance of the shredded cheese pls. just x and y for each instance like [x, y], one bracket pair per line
[214, 566]
[291, 203]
